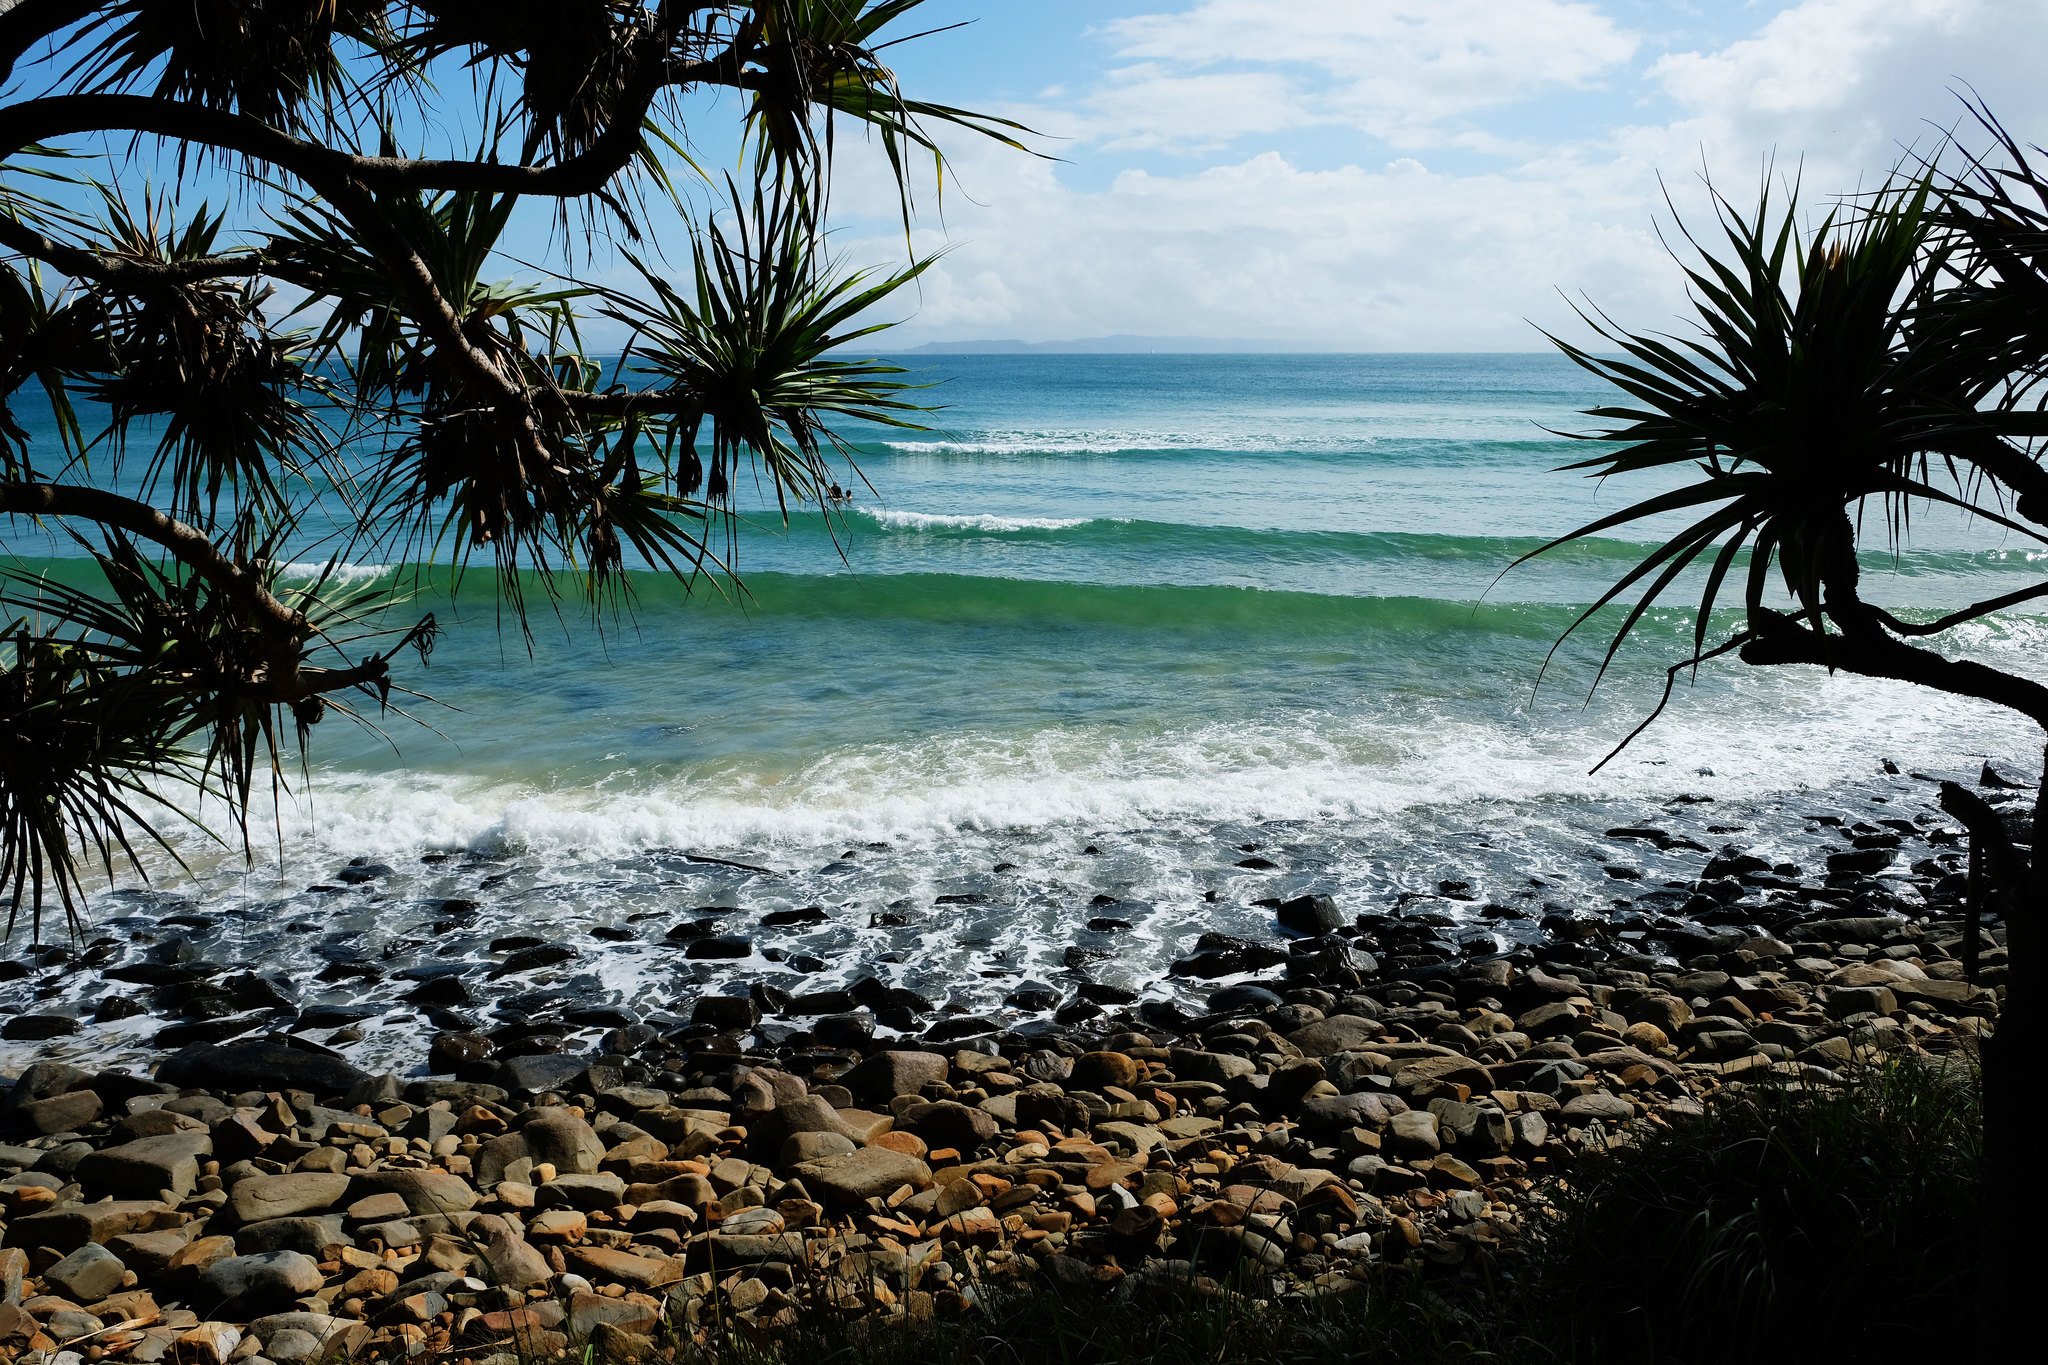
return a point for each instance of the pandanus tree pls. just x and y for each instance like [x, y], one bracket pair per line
[1885, 363]
[336, 343]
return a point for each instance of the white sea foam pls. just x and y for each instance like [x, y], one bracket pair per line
[1114, 442]
[1765, 738]
[341, 575]
[1367, 807]
[976, 521]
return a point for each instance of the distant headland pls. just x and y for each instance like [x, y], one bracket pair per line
[1132, 345]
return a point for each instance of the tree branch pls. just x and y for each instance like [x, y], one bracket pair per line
[62, 116]
[2007, 868]
[1959, 617]
[24, 23]
[121, 272]
[1875, 655]
[431, 307]
[2011, 467]
[190, 545]
[286, 679]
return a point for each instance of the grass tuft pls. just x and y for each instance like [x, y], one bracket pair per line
[1826, 1223]
[1789, 1223]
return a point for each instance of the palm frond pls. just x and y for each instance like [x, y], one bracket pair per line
[820, 58]
[270, 59]
[1807, 393]
[750, 350]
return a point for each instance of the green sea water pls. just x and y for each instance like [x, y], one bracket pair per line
[1163, 606]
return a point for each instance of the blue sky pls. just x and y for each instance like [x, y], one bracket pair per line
[1402, 175]
[1398, 174]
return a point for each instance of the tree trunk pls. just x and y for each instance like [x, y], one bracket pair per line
[2012, 1102]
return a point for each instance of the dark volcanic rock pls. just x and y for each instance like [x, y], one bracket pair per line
[1862, 860]
[1311, 915]
[1233, 999]
[450, 1052]
[442, 991]
[530, 960]
[1034, 997]
[960, 1026]
[726, 1012]
[720, 946]
[359, 871]
[237, 1067]
[336, 1016]
[36, 1028]
[539, 1074]
[854, 1029]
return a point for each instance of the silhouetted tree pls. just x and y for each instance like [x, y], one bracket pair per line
[1888, 362]
[422, 407]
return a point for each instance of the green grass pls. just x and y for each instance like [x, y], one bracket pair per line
[1403, 1321]
[1827, 1225]
[1789, 1224]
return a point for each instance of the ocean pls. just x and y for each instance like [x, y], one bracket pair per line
[1116, 624]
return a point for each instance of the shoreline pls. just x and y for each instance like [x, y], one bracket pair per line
[1361, 1109]
[375, 959]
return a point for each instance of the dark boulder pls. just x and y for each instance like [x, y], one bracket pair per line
[786, 919]
[537, 1075]
[1241, 999]
[960, 1026]
[720, 946]
[358, 872]
[533, 959]
[726, 1013]
[1862, 860]
[450, 1052]
[41, 1080]
[238, 1067]
[1311, 915]
[36, 1028]
[854, 1029]
[1034, 997]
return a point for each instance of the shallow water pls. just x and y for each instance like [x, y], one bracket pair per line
[1164, 607]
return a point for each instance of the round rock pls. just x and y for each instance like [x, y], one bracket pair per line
[274, 1275]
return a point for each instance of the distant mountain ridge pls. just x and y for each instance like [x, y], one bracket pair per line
[1127, 345]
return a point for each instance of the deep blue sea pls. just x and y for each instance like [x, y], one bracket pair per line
[1121, 622]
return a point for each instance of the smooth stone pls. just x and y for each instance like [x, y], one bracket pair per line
[239, 1067]
[271, 1275]
[855, 1177]
[88, 1274]
[1338, 1033]
[318, 1237]
[949, 1123]
[1094, 1070]
[142, 1168]
[424, 1192]
[811, 1146]
[256, 1198]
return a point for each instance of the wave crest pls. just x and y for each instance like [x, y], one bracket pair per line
[973, 521]
[339, 575]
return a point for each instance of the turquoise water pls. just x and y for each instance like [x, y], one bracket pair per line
[1164, 606]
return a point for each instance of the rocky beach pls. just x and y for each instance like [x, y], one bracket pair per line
[1282, 1116]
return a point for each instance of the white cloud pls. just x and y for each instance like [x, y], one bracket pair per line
[1396, 69]
[1398, 257]
[1849, 84]
[1390, 252]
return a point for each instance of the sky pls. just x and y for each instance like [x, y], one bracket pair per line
[1407, 175]
[1373, 175]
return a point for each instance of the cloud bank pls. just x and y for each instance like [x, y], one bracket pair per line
[1421, 174]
